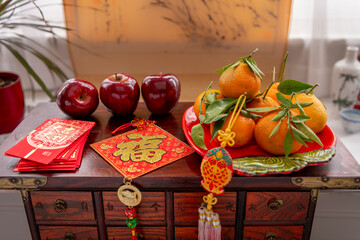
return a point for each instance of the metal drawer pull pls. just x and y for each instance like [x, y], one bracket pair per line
[60, 206]
[275, 204]
[271, 236]
[69, 236]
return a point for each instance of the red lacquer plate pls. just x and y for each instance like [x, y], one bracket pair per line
[251, 160]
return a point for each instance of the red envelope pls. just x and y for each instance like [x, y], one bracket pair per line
[68, 161]
[140, 151]
[49, 140]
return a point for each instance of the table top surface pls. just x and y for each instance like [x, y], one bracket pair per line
[95, 172]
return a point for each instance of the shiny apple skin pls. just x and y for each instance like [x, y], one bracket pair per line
[77, 98]
[161, 93]
[120, 96]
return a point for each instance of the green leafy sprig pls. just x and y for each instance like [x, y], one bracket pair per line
[217, 110]
[249, 61]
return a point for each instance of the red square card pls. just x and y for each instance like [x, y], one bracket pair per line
[140, 151]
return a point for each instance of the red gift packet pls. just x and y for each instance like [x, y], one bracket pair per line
[142, 150]
[55, 145]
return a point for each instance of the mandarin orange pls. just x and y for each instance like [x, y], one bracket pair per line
[275, 143]
[238, 80]
[316, 111]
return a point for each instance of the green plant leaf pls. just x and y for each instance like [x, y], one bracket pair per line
[262, 109]
[283, 66]
[283, 100]
[219, 107]
[280, 115]
[300, 118]
[276, 128]
[253, 67]
[305, 104]
[300, 134]
[50, 64]
[215, 118]
[223, 69]
[211, 97]
[298, 137]
[197, 135]
[289, 86]
[308, 132]
[249, 114]
[217, 126]
[288, 143]
[29, 70]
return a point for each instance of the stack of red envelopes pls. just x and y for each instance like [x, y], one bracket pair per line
[55, 145]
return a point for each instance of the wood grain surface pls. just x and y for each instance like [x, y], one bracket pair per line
[294, 205]
[59, 232]
[279, 232]
[186, 207]
[151, 208]
[79, 205]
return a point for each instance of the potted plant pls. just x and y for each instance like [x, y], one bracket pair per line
[13, 107]
[12, 16]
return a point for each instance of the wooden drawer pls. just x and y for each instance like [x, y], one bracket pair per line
[191, 233]
[120, 233]
[277, 232]
[151, 208]
[62, 205]
[186, 207]
[277, 205]
[61, 232]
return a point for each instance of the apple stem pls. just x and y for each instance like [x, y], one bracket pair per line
[116, 78]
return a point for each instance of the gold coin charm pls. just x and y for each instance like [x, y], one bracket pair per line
[129, 195]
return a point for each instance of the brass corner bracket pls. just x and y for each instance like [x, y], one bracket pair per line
[325, 182]
[22, 182]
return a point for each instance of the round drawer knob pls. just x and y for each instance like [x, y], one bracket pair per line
[60, 206]
[69, 236]
[275, 204]
[271, 236]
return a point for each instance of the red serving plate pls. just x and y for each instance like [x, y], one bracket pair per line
[252, 149]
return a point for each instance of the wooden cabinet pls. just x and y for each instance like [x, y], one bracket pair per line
[276, 206]
[68, 233]
[84, 204]
[273, 232]
[253, 214]
[62, 206]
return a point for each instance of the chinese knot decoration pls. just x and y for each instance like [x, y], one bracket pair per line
[130, 196]
[138, 122]
[216, 170]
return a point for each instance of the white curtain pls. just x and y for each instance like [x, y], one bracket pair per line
[320, 31]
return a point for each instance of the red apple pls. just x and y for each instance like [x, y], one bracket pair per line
[161, 93]
[77, 98]
[120, 94]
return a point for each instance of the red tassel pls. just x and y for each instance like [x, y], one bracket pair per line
[138, 122]
[126, 125]
[133, 238]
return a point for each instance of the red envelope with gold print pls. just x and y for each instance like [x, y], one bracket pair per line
[140, 151]
[53, 137]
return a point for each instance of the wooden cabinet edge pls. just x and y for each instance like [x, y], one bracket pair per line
[22, 182]
[324, 182]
